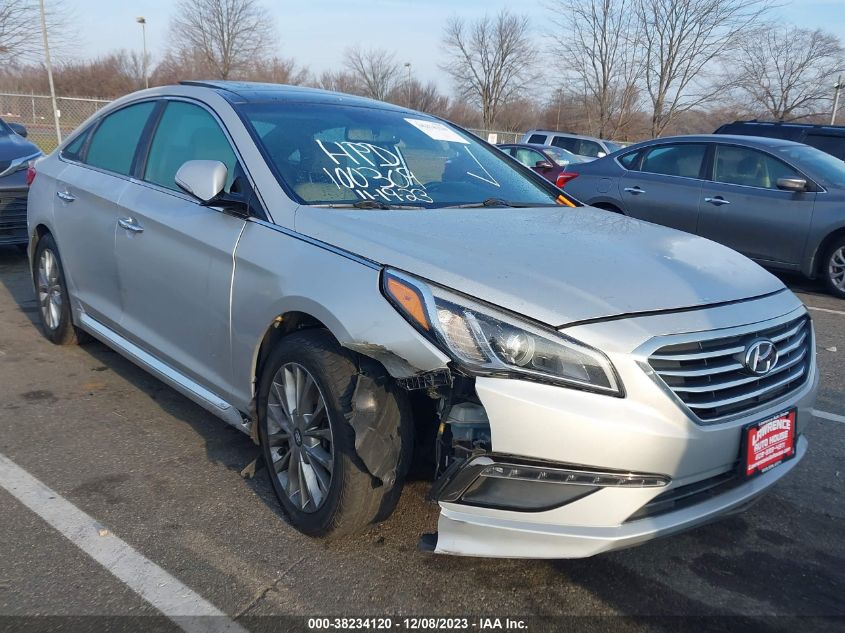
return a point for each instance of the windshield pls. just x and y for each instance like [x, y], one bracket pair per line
[827, 168]
[561, 156]
[4, 129]
[611, 146]
[332, 154]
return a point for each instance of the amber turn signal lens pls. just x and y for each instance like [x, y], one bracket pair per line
[410, 301]
[563, 200]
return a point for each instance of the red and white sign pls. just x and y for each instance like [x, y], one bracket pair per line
[769, 442]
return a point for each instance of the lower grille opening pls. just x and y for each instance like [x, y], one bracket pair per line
[690, 494]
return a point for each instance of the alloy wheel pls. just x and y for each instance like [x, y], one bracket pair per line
[299, 437]
[49, 289]
[836, 268]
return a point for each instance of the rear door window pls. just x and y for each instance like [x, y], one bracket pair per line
[833, 145]
[186, 132]
[116, 138]
[682, 159]
[566, 142]
[629, 160]
[749, 167]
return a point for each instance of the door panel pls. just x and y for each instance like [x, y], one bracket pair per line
[744, 209]
[175, 279]
[666, 188]
[85, 228]
[175, 256]
[665, 200]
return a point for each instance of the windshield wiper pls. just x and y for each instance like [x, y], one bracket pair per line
[500, 202]
[367, 204]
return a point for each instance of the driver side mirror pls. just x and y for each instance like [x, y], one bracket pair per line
[203, 179]
[601, 154]
[792, 184]
[18, 129]
[543, 164]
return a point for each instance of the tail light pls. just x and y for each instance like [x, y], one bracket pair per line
[564, 177]
[30, 173]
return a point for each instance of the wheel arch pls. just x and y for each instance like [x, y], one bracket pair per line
[814, 269]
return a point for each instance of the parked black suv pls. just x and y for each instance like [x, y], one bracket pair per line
[827, 138]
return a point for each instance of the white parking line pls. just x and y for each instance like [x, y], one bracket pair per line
[187, 609]
[828, 310]
[824, 415]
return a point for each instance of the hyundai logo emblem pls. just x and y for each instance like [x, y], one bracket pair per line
[761, 356]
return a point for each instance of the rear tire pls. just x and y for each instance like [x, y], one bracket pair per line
[833, 268]
[309, 448]
[52, 294]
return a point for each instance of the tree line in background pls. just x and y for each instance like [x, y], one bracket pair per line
[622, 69]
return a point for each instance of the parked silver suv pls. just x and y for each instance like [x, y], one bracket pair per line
[344, 279]
[583, 146]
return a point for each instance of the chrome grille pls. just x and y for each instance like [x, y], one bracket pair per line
[710, 377]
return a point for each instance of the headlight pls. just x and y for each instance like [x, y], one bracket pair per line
[487, 341]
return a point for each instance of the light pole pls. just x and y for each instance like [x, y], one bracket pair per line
[408, 66]
[143, 22]
[837, 87]
[49, 65]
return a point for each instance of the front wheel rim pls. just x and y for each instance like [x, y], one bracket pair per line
[299, 437]
[49, 289]
[836, 268]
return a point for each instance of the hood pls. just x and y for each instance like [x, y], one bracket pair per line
[13, 146]
[555, 265]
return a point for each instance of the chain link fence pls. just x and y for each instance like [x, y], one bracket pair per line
[497, 136]
[35, 112]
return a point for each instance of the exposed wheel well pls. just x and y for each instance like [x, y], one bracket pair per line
[823, 248]
[283, 325]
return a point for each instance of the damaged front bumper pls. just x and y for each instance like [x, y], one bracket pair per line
[466, 531]
[572, 474]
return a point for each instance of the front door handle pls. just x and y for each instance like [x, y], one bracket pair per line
[66, 196]
[130, 224]
[718, 201]
[635, 190]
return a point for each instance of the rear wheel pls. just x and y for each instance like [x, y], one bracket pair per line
[53, 299]
[304, 407]
[833, 268]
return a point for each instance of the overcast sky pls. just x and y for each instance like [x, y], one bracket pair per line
[315, 32]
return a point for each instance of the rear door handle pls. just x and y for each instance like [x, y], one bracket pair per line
[66, 196]
[634, 190]
[718, 201]
[130, 224]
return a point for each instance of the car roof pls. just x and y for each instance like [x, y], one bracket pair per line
[572, 134]
[761, 142]
[255, 92]
[537, 146]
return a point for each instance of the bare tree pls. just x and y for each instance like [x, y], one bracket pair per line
[596, 46]
[375, 69]
[680, 40]
[20, 30]
[228, 36]
[338, 81]
[491, 60]
[786, 72]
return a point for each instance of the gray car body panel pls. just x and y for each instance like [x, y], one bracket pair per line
[778, 229]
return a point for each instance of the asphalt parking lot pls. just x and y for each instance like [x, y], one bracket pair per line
[161, 474]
